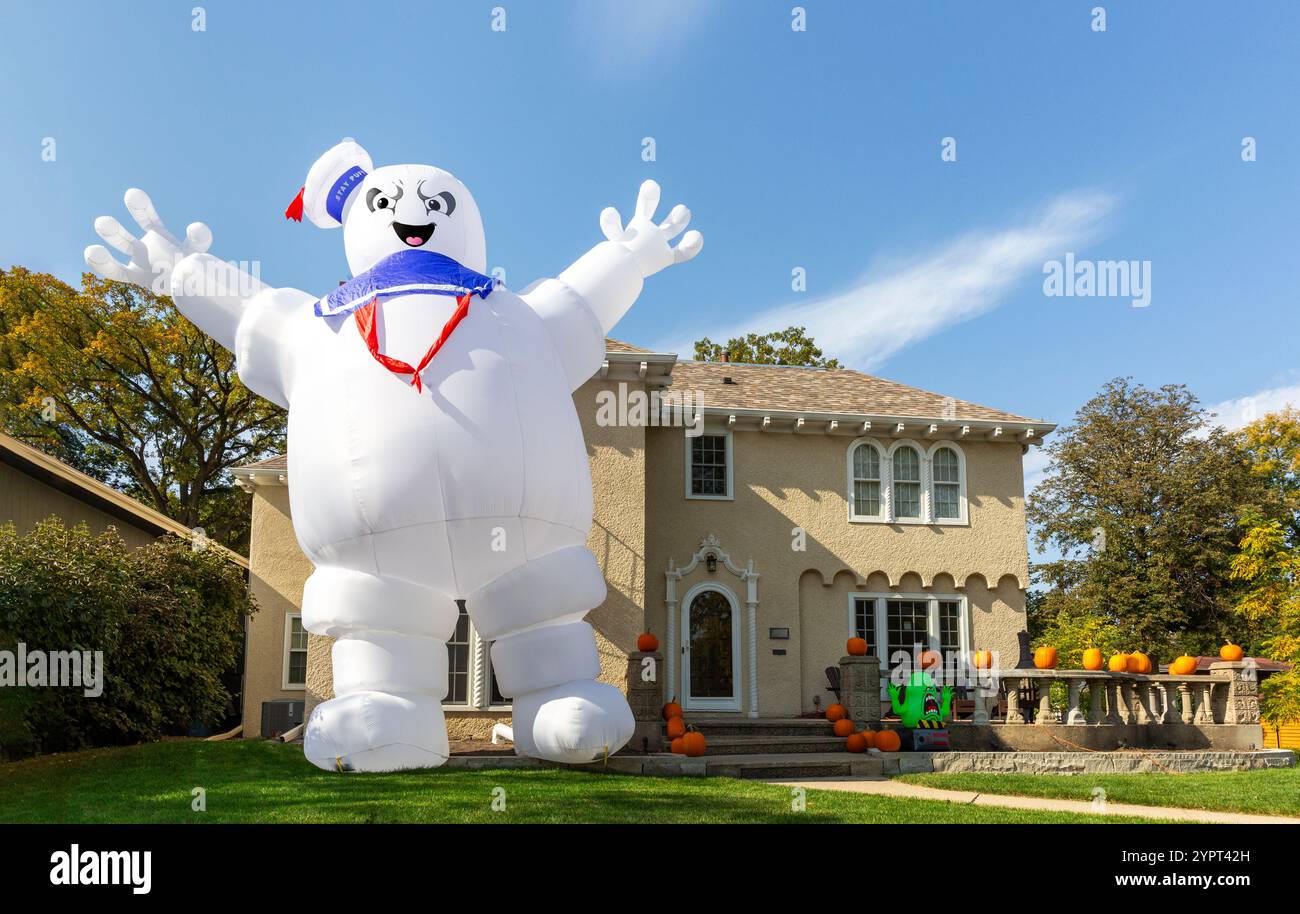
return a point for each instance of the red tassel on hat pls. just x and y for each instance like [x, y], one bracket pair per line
[294, 211]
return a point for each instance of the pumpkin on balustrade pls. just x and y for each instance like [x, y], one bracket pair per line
[1231, 652]
[1183, 666]
[1119, 663]
[1045, 658]
[1092, 659]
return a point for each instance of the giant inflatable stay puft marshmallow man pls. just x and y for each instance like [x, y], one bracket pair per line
[434, 450]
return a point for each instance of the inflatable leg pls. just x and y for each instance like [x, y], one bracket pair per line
[545, 658]
[390, 672]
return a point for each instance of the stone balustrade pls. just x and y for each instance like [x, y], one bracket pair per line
[1101, 709]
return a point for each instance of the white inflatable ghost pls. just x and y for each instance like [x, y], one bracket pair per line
[434, 450]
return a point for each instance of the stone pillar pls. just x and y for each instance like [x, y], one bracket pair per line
[751, 611]
[1074, 714]
[860, 689]
[1013, 701]
[1241, 701]
[1096, 708]
[1185, 702]
[1045, 715]
[645, 697]
[1142, 706]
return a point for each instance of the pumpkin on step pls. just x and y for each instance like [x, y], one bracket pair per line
[855, 742]
[836, 712]
[647, 643]
[888, 741]
[1092, 659]
[671, 710]
[693, 744]
[1119, 663]
[857, 647]
[1231, 652]
[676, 747]
[869, 737]
[676, 727]
[843, 727]
[1045, 658]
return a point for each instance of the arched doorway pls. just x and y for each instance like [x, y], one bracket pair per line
[710, 633]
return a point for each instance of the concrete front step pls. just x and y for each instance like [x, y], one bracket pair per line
[758, 745]
[722, 727]
[828, 764]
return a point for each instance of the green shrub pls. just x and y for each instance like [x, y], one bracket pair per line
[169, 621]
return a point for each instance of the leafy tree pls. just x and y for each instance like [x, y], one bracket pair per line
[114, 381]
[1143, 502]
[168, 619]
[791, 346]
[1273, 444]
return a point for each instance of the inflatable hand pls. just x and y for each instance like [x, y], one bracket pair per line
[649, 243]
[153, 255]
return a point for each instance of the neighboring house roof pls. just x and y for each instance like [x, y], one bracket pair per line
[58, 475]
[733, 385]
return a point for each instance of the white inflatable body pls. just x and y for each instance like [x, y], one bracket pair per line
[471, 484]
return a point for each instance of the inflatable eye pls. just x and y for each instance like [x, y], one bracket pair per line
[377, 200]
[443, 203]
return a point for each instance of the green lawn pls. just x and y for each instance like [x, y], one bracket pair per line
[1271, 791]
[270, 782]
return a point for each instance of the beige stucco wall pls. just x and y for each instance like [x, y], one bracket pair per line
[25, 501]
[279, 570]
[783, 481]
[617, 459]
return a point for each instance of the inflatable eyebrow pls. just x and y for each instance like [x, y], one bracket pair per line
[434, 450]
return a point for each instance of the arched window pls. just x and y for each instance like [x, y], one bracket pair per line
[907, 482]
[947, 484]
[865, 474]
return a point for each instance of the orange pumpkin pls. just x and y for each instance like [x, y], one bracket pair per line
[930, 659]
[1119, 663]
[676, 746]
[983, 660]
[855, 742]
[1183, 666]
[1092, 659]
[693, 744]
[857, 647]
[1139, 662]
[671, 710]
[843, 727]
[870, 737]
[676, 727]
[836, 712]
[647, 643]
[1045, 658]
[888, 741]
[1231, 652]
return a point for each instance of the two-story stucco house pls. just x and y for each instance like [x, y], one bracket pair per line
[813, 505]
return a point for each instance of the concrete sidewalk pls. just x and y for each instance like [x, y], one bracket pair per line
[889, 788]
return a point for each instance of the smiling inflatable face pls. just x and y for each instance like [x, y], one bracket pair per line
[412, 207]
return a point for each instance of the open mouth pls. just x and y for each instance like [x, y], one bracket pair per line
[931, 705]
[414, 235]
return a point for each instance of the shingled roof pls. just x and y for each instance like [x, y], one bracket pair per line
[734, 385]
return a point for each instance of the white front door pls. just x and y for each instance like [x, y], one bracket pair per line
[710, 650]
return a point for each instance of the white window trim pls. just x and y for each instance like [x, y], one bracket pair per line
[479, 693]
[933, 600]
[884, 509]
[926, 455]
[715, 433]
[963, 518]
[285, 684]
[709, 704]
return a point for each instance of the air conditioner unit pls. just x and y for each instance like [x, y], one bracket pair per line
[281, 715]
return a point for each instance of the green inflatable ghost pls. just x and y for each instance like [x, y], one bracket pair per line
[922, 701]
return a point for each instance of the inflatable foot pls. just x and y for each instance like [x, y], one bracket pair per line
[376, 731]
[574, 722]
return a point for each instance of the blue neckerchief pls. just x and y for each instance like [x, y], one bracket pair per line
[405, 273]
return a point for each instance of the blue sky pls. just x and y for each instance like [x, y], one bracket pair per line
[817, 149]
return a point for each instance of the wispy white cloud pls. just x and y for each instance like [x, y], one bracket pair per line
[623, 37]
[1235, 414]
[894, 306]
